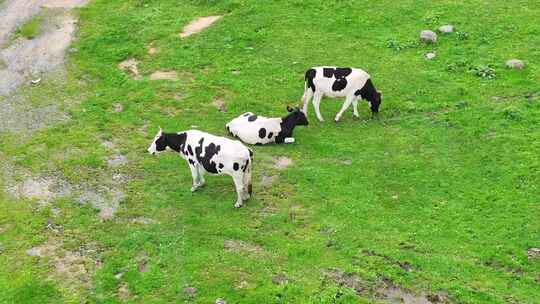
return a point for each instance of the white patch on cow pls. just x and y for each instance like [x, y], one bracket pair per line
[249, 131]
[152, 148]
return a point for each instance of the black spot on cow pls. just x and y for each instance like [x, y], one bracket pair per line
[190, 150]
[174, 141]
[246, 114]
[221, 166]
[252, 118]
[310, 75]
[369, 93]
[258, 144]
[209, 151]
[328, 72]
[339, 84]
[236, 166]
[342, 72]
[250, 153]
[262, 132]
[191, 162]
[245, 165]
[270, 135]
[336, 72]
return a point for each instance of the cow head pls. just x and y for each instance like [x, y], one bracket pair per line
[299, 116]
[376, 102]
[159, 143]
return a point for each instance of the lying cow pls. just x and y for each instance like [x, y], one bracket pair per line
[208, 153]
[254, 129]
[333, 82]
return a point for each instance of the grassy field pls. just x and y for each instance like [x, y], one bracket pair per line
[440, 194]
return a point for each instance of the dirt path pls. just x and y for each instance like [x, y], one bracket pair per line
[24, 59]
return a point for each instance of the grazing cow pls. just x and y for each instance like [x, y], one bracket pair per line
[333, 82]
[208, 153]
[254, 129]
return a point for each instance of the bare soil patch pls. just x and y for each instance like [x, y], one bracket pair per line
[73, 269]
[198, 25]
[220, 105]
[243, 247]
[164, 75]
[282, 162]
[131, 66]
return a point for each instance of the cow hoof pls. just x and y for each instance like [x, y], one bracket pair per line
[238, 205]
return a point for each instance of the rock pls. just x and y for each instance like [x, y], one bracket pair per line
[220, 301]
[119, 275]
[190, 291]
[430, 55]
[428, 36]
[515, 64]
[446, 29]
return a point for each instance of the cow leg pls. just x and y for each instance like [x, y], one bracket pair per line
[247, 182]
[239, 185]
[195, 177]
[200, 171]
[345, 106]
[308, 94]
[355, 108]
[316, 104]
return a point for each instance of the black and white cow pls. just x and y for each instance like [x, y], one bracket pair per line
[208, 153]
[333, 82]
[253, 129]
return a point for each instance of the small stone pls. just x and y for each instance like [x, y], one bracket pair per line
[35, 81]
[119, 275]
[446, 29]
[515, 64]
[428, 36]
[190, 291]
[430, 55]
[220, 301]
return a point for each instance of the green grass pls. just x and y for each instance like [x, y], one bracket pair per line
[31, 28]
[446, 178]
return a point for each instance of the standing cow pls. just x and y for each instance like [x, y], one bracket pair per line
[253, 129]
[333, 82]
[208, 153]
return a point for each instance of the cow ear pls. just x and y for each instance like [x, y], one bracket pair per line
[289, 108]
